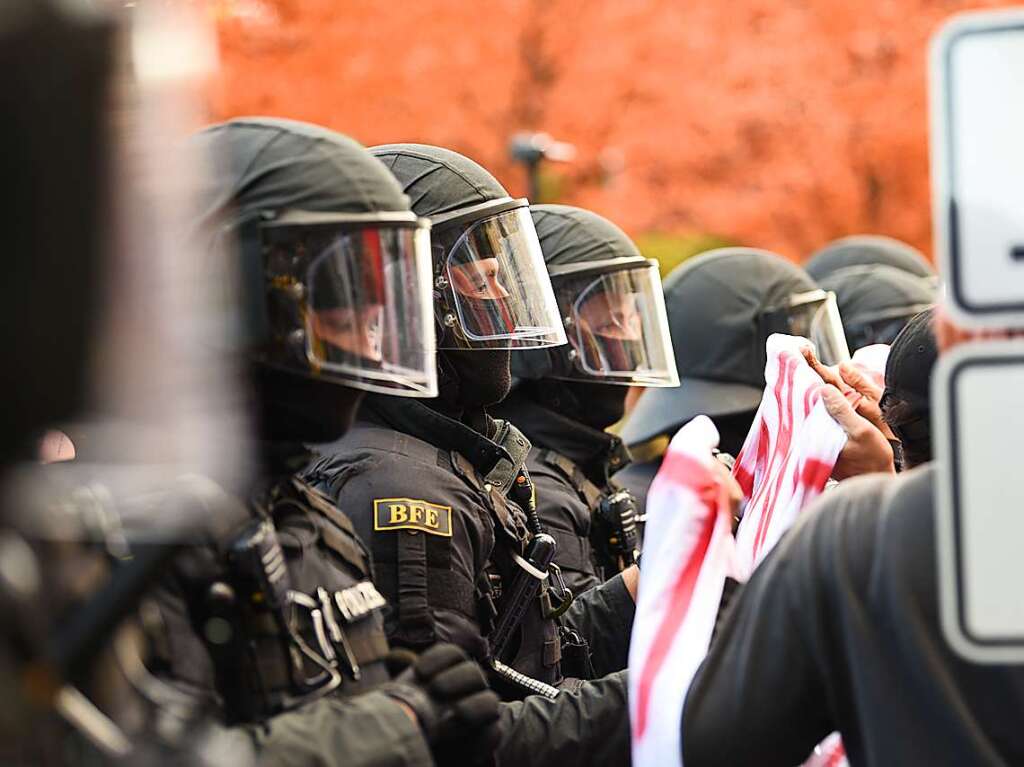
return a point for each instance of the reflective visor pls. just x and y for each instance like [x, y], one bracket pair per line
[815, 316]
[616, 322]
[361, 286]
[495, 284]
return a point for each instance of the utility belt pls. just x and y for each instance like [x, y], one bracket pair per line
[280, 639]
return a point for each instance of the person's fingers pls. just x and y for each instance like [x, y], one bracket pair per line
[856, 378]
[842, 411]
[458, 681]
[731, 488]
[828, 375]
[437, 659]
[870, 396]
[479, 708]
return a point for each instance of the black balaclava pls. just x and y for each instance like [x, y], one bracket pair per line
[441, 181]
[595, 404]
[571, 235]
[265, 166]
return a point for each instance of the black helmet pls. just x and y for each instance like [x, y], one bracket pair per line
[722, 306]
[610, 299]
[867, 249]
[876, 301]
[491, 290]
[336, 268]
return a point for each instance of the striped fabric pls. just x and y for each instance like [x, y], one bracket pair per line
[789, 452]
[689, 549]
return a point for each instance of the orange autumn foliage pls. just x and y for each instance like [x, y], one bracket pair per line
[780, 124]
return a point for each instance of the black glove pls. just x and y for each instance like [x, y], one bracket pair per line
[455, 709]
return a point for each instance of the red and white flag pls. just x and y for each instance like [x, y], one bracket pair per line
[688, 551]
[789, 452]
[872, 360]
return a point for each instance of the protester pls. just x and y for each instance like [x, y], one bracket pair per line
[906, 402]
[850, 601]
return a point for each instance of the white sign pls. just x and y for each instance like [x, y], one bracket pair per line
[978, 433]
[977, 156]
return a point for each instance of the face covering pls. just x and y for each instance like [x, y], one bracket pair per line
[594, 404]
[293, 408]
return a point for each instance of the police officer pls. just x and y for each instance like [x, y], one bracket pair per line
[725, 304]
[281, 623]
[612, 305]
[869, 250]
[437, 485]
[876, 301]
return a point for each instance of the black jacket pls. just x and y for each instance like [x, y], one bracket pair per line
[571, 465]
[839, 629]
[431, 569]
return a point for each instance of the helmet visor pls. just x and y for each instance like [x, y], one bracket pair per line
[815, 316]
[365, 306]
[617, 324]
[495, 280]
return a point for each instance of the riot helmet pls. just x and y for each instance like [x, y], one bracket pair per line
[865, 250]
[722, 306]
[611, 302]
[876, 301]
[491, 290]
[335, 265]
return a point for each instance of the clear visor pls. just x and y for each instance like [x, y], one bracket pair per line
[617, 327]
[367, 308]
[496, 282]
[815, 316]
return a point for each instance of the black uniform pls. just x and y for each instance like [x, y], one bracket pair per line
[839, 629]
[254, 671]
[427, 492]
[571, 466]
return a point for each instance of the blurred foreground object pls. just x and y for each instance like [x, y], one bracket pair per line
[977, 68]
[85, 540]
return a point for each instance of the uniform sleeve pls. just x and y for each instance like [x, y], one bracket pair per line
[430, 538]
[369, 730]
[604, 617]
[582, 728]
[762, 696]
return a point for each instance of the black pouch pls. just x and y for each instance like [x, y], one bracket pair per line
[575, 655]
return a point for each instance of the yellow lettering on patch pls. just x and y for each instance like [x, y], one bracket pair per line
[412, 514]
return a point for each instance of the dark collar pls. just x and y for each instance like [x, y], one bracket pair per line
[412, 417]
[597, 453]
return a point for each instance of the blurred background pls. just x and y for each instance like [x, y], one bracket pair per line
[780, 124]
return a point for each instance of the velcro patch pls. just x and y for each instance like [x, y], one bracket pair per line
[412, 514]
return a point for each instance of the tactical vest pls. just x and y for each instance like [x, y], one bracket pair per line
[292, 613]
[414, 567]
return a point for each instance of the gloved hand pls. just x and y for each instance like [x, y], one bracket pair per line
[456, 710]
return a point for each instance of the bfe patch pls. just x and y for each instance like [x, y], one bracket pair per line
[412, 514]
